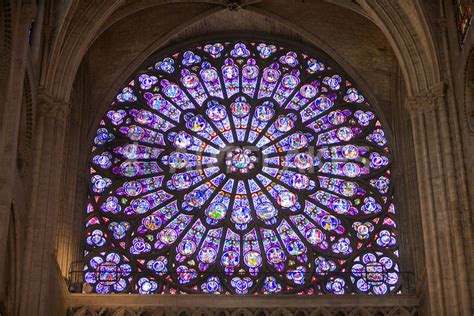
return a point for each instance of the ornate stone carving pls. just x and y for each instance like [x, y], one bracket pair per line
[427, 101]
[28, 10]
[50, 106]
[233, 5]
[442, 24]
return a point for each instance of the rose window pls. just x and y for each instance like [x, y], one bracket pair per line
[241, 168]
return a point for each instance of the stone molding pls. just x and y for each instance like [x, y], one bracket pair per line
[415, 48]
[52, 107]
[49, 33]
[71, 39]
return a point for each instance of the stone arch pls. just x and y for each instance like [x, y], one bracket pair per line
[410, 39]
[155, 46]
[405, 26]
[81, 22]
[272, 25]
[75, 36]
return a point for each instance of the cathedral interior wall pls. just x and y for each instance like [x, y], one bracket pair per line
[59, 82]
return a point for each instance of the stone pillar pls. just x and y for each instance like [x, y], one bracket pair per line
[11, 82]
[74, 188]
[45, 203]
[440, 202]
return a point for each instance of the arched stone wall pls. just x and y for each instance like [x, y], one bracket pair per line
[402, 23]
[218, 21]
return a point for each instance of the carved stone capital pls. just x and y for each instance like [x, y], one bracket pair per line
[439, 89]
[442, 24]
[52, 107]
[233, 5]
[416, 105]
[427, 101]
[28, 11]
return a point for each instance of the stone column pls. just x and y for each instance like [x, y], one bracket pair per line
[440, 202]
[11, 83]
[74, 189]
[47, 174]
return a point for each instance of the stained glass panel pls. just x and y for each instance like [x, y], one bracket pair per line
[241, 167]
[463, 19]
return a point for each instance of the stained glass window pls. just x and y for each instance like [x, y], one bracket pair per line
[241, 167]
[463, 19]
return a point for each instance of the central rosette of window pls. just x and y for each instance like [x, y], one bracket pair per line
[240, 160]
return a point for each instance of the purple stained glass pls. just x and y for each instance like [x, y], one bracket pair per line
[241, 167]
